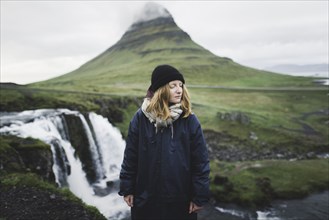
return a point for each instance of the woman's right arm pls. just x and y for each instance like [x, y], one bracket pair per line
[129, 165]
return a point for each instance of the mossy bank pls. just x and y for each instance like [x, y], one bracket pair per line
[27, 186]
[257, 183]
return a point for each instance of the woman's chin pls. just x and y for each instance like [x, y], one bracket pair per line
[176, 101]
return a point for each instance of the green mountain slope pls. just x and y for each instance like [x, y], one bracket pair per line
[127, 65]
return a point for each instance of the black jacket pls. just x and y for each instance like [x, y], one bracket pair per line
[171, 166]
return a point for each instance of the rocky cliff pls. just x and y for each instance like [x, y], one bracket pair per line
[26, 155]
[27, 184]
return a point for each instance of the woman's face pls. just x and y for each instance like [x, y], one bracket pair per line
[176, 91]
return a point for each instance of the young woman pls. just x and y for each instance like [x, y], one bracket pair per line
[165, 170]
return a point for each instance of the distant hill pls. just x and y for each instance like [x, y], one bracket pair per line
[320, 70]
[153, 39]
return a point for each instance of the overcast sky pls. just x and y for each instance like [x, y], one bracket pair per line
[44, 39]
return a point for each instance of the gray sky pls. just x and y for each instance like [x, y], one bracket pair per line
[44, 39]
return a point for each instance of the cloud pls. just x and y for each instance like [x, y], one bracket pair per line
[151, 11]
[257, 33]
[41, 69]
[47, 38]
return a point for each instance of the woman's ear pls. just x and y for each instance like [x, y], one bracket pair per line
[149, 94]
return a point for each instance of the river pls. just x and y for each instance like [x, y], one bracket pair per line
[313, 207]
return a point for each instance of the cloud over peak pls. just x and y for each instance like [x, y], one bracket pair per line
[152, 11]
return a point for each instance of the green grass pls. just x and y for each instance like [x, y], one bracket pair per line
[12, 146]
[32, 180]
[295, 178]
[259, 182]
[7, 142]
[269, 112]
[19, 99]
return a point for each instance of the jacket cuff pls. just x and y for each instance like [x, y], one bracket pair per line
[200, 202]
[125, 193]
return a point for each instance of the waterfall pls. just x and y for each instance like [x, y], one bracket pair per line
[93, 148]
[105, 144]
[111, 145]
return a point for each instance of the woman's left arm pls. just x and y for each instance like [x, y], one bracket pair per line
[199, 164]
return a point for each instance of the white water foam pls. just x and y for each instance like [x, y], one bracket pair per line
[47, 125]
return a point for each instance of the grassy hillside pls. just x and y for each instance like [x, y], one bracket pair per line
[134, 78]
[300, 115]
[125, 68]
[258, 183]
[276, 117]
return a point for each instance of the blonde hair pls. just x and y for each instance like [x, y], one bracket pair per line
[159, 103]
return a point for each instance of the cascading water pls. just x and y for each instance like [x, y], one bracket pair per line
[110, 143]
[106, 147]
[93, 149]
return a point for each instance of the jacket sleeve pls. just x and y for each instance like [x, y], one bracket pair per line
[199, 164]
[130, 160]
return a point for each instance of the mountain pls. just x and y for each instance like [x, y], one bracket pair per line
[153, 39]
[320, 70]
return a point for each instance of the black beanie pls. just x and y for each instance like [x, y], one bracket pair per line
[164, 74]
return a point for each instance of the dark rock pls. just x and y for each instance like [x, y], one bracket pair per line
[38, 161]
[264, 184]
[109, 183]
[26, 155]
[253, 136]
[240, 117]
[220, 180]
[62, 164]
[111, 186]
[311, 155]
[32, 203]
[227, 147]
[80, 142]
[113, 108]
